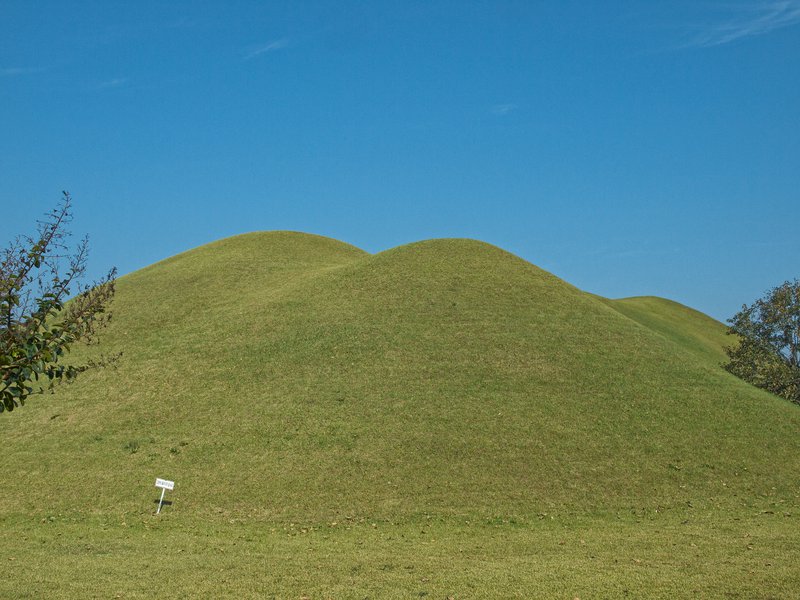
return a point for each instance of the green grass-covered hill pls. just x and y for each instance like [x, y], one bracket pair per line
[293, 376]
[287, 380]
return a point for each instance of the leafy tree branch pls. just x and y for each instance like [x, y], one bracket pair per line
[39, 323]
[768, 351]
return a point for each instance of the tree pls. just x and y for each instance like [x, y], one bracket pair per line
[768, 352]
[39, 322]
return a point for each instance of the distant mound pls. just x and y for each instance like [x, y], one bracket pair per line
[289, 376]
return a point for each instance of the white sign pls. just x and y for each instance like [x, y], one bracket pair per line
[164, 484]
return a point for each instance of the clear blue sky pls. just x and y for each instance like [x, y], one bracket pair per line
[630, 147]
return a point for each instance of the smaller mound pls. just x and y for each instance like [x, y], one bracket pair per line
[227, 280]
[691, 329]
[278, 249]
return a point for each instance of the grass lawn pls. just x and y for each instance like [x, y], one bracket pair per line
[675, 555]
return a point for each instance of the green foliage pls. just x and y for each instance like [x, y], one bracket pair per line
[768, 352]
[38, 327]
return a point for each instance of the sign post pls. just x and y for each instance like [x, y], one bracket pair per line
[165, 485]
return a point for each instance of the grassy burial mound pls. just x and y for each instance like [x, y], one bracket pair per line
[446, 377]
[289, 383]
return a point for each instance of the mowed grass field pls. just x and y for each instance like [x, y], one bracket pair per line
[652, 556]
[442, 419]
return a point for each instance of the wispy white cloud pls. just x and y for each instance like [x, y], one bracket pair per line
[752, 19]
[112, 83]
[12, 71]
[264, 48]
[504, 109]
